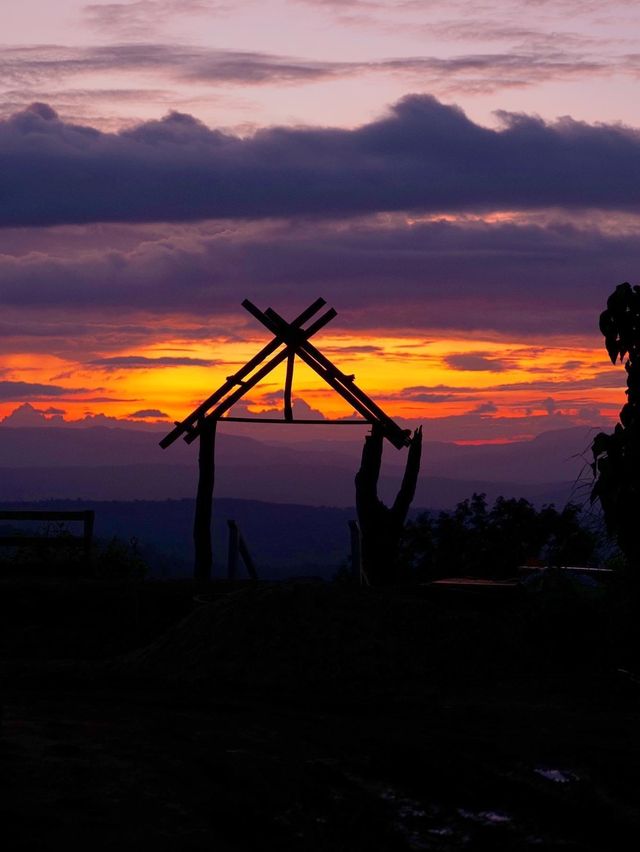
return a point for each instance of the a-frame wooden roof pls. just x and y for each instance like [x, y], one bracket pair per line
[290, 340]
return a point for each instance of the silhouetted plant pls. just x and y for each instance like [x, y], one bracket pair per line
[55, 554]
[113, 559]
[475, 540]
[616, 457]
[122, 560]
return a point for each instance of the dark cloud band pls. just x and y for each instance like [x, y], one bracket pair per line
[423, 157]
[505, 278]
[13, 391]
[141, 362]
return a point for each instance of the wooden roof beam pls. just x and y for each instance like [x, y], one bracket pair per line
[186, 426]
[300, 334]
[341, 383]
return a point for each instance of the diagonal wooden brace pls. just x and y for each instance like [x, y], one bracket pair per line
[341, 383]
[189, 422]
[300, 335]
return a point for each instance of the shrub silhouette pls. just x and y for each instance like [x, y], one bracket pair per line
[475, 540]
[616, 457]
[122, 560]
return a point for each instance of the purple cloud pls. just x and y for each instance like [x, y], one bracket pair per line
[430, 397]
[475, 362]
[139, 17]
[28, 67]
[14, 391]
[352, 349]
[141, 362]
[536, 59]
[148, 412]
[301, 409]
[422, 157]
[485, 408]
[500, 278]
[610, 378]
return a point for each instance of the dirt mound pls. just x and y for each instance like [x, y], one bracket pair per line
[296, 637]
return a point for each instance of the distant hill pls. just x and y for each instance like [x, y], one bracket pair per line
[284, 539]
[100, 463]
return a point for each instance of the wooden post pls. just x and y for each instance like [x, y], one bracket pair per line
[382, 526]
[288, 408]
[197, 415]
[232, 553]
[204, 502]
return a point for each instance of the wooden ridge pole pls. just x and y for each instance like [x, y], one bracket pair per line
[226, 404]
[288, 385]
[342, 384]
[236, 379]
[274, 321]
[395, 434]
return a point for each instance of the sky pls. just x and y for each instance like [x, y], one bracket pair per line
[459, 180]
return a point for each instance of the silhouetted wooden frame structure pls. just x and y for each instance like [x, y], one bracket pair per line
[290, 340]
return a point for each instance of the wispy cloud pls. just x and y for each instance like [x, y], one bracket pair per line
[17, 391]
[475, 362]
[523, 66]
[568, 384]
[76, 101]
[141, 362]
[36, 65]
[140, 17]
[514, 21]
[354, 349]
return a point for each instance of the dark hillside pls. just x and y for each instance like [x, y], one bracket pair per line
[310, 717]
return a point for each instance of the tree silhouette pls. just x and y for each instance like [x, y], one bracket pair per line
[476, 540]
[616, 457]
[382, 526]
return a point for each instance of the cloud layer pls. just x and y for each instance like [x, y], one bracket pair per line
[141, 362]
[522, 279]
[33, 390]
[422, 157]
[541, 61]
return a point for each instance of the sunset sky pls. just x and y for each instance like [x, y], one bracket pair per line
[460, 180]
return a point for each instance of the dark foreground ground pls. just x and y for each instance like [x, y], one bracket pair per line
[315, 717]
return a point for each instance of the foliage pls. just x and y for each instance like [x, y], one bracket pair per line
[56, 554]
[122, 560]
[475, 540]
[60, 555]
[616, 457]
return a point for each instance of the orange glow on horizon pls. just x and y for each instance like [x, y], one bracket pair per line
[410, 377]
